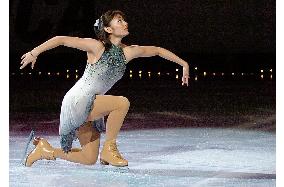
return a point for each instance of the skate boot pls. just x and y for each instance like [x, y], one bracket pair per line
[110, 155]
[42, 150]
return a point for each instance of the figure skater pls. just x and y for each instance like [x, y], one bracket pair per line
[85, 105]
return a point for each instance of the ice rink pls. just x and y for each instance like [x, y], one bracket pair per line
[161, 157]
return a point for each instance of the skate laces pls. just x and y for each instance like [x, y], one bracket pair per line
[114, 149]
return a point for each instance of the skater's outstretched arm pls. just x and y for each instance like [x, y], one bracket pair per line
[85, 44]
[136, 51]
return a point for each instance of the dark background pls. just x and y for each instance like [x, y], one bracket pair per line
[220, 36]
[215, 35]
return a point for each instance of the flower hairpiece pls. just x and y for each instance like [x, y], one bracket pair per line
[99, 23]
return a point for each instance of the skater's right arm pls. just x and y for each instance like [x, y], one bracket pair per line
[85, 44]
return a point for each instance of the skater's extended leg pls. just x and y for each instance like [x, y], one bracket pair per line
[90, 142]
[89, 139]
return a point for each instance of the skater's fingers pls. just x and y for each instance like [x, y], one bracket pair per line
[33, 64]
[24, 65]
[24, 55]
[185, 80]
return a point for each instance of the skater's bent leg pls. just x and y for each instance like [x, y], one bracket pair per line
[90, 141]
[115, 119]
[117, 108]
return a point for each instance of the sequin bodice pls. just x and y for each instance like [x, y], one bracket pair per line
[99, 77]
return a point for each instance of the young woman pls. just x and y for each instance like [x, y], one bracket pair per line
[85, 105]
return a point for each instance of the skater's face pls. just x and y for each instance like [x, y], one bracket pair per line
[118, 26]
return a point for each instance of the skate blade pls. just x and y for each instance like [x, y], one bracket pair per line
[27, 148]
[110, 168]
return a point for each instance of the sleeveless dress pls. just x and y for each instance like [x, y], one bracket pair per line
[97, 79]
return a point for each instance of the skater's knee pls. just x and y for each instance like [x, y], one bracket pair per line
[90, 160]
[91, 152]
[124, 102]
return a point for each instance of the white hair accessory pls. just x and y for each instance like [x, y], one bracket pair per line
[97, 23]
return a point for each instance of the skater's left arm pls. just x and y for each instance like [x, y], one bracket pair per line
[135, 51]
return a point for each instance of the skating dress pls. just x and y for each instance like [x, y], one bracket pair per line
[97, 79]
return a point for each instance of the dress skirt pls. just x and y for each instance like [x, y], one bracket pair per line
[75, 110]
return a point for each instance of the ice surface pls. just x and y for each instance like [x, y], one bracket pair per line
[161, 157]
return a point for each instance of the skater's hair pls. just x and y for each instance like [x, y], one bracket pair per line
[104, 21]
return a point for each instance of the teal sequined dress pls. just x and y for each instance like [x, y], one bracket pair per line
[97, 79]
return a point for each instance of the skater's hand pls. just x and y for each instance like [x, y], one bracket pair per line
[185, 76]
[28, 58]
